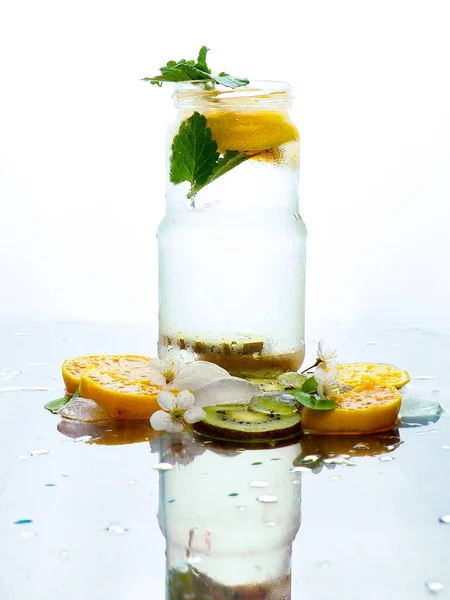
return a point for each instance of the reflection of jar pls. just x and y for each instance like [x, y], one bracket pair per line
[232, 259]
[229, 522]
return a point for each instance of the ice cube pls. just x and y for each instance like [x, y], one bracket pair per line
[195, 374]
[83, 409]
[227, 390]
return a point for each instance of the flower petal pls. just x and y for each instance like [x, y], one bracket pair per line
[194, 414]
[159, 420]
[158, 365]
[321, 391]
[320, 349]
[185, 400]
[166, 400]
[157, 379]
[320, 375]
[174, 427]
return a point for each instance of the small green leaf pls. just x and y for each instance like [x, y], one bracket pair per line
[201, 60]
[311, 402]
[310, 385]
[54, 406]
[231, 82]
[194, 152]
[231, 159]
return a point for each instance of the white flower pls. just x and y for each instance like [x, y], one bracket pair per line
[189, 376]
[176, 411]
[325, 355]
[327, 384]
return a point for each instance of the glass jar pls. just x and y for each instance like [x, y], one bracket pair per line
[229, 519]
[232, 257]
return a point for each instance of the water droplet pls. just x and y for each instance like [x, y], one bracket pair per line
[241, 508]
[24, 457]
[233, 494]
[311, 458]
[183, 354]
[132, 481]
[296, 481]
[64, 475]
[50, 484]
[37, 364]
[350, 463]
[254, 464]
[444, 519]
[275, 459]
[386, 458]
[23, 521]
[434, 586]
[299, 470]
[271, 523]
[336, 460]
[194, 560]
[39, 452]
[21, 334]
[171, 501]
[445, 447]
[8, 374]
[116, 529]
[389, 448]
[259, 484]
[421, 377]
[335, 477]
[83, 438]
[162, 467]
[361, 446]
[267, 499]
[323, 565]
[28, 534]
[64, 554]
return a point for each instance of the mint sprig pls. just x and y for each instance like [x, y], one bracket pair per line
[189, 70]
[195, 157]
[312, 402]
[54, 406]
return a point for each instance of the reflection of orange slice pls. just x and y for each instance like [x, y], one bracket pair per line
[361, 410]
[73, 367]
[251, 131]
[354, 374]
[125, 394]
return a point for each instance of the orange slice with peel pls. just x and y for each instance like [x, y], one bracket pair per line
[126, 394]
[357, 374]
[365, 409]
[251, 131]
[74, 367]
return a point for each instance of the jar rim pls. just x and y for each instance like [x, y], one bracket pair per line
[256, 92]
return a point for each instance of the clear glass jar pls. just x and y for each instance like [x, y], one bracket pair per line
[229, 519]
[232, 259]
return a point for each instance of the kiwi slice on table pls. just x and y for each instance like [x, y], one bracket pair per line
[237, 422]
[269, 403]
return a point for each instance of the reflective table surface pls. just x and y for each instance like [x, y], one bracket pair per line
[84, 512]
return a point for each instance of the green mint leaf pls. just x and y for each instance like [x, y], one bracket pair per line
[231, 82]
[310, 385]
[54, 406]
[194, 152]
[231, 159]
[189, 70]
[201, 60]
[311, 402]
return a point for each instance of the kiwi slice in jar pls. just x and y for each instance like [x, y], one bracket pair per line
[238, 423]
[269, 403]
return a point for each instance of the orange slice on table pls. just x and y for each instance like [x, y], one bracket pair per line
[368, 409]
[74, 367]
[251, 131]
[126, 394]
[357, 374]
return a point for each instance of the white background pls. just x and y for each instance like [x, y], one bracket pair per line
[82, 148]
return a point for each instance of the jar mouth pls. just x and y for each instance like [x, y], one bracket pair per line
[189, 94]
